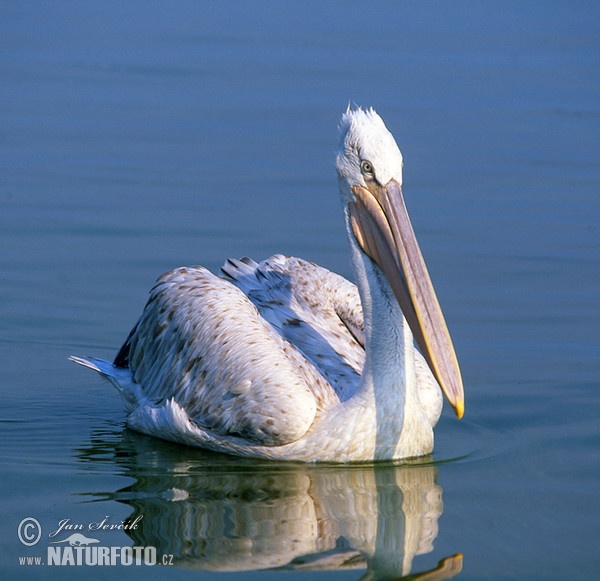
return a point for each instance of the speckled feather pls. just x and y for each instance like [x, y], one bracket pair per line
[316, 310]
[203, 344]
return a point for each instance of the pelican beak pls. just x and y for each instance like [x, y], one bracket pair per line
[382, 228]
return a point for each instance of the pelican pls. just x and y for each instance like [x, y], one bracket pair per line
[286, 360]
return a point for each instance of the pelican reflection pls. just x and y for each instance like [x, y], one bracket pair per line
[219, 513]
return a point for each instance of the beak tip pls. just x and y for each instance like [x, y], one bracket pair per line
[459, 409]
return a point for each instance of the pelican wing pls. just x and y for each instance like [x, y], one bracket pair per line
[314, 309]
[201, 343]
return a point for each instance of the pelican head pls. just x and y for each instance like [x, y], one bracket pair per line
[369, 165]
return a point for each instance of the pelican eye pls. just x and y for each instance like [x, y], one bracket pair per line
[366, 167]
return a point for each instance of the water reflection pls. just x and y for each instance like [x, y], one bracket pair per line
[214, 512]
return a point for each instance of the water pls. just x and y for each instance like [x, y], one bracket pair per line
[136, 137]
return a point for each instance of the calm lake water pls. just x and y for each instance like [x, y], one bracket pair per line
[135, 137]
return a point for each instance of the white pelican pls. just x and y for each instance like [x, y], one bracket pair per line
[286, 360]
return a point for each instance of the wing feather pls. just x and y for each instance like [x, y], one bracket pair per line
[202, 343]
[316, 310]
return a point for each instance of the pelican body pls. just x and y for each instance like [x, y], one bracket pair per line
[286, 360]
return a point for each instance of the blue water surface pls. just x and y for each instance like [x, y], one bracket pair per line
[139, 136]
